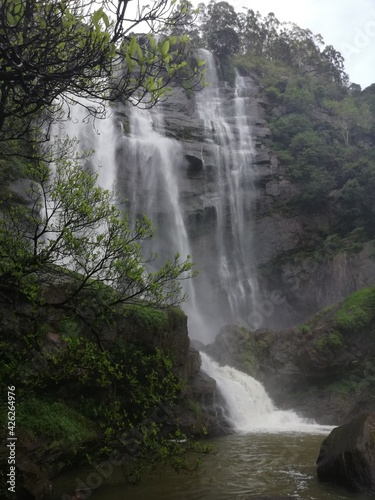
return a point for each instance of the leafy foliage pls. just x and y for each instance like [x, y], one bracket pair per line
[322, 136]
[71, 232]
[226, 32]
[56, 53]
[69, 259]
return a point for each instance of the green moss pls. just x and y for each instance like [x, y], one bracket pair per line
[196, 408]
[347, 386]
[303, 328]
[39, 418]
[146, 317]
[176, 312]
[322, 314]
[333, 340]
[250, 362]
[357, 311]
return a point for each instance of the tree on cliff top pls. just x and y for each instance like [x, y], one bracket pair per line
[53, 52]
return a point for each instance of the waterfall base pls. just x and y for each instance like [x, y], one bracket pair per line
[249, 407]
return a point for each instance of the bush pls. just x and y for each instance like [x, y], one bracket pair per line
[145, 317]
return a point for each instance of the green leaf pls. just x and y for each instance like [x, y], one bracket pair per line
[10, 19]
[132, 47]
[165, 48]
[140, 55]
[152, 42]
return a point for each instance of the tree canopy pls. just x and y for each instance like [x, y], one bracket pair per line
[70, 229]
[60, 51]
[247, 33]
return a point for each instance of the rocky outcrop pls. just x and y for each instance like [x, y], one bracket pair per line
[323, 368]
[308, 284]
[40, 458]
[347, 455]
[200, 405]
[287, 245]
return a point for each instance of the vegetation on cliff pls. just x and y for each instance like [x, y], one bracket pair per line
[322, 125]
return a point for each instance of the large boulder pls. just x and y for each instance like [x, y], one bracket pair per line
[347, 455]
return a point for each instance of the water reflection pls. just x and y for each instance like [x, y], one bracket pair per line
[241, 466]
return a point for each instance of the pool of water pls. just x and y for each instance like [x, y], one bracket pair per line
[240, 467]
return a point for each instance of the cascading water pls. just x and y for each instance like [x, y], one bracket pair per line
[148, 164]
[96, 136]
[228, 280]
[249, 406]
[149, 170]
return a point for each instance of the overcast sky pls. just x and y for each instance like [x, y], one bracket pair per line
[348, 25]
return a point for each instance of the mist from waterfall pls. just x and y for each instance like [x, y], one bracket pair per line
[97, 138]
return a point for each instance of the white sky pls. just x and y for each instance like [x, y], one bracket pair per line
[348, 25]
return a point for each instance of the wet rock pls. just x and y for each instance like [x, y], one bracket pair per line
[347, 455]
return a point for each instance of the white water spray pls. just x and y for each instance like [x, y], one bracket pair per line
[228, 135]
[98, 136]
[249, 406]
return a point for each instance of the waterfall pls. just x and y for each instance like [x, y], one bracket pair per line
[95, 135]
[148, 165]
[149, 169]
[249, 406]
[228, 146]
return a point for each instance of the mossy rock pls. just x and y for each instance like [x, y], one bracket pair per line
[357, 312]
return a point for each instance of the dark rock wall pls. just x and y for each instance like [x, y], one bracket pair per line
[307, 282]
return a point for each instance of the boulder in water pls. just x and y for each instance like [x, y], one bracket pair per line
[347, 455]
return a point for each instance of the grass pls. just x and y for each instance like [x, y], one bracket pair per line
[54, 420]
[303, 328]
[146, 317]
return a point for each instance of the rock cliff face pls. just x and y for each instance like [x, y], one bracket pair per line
[275, 263]
[41, 455]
